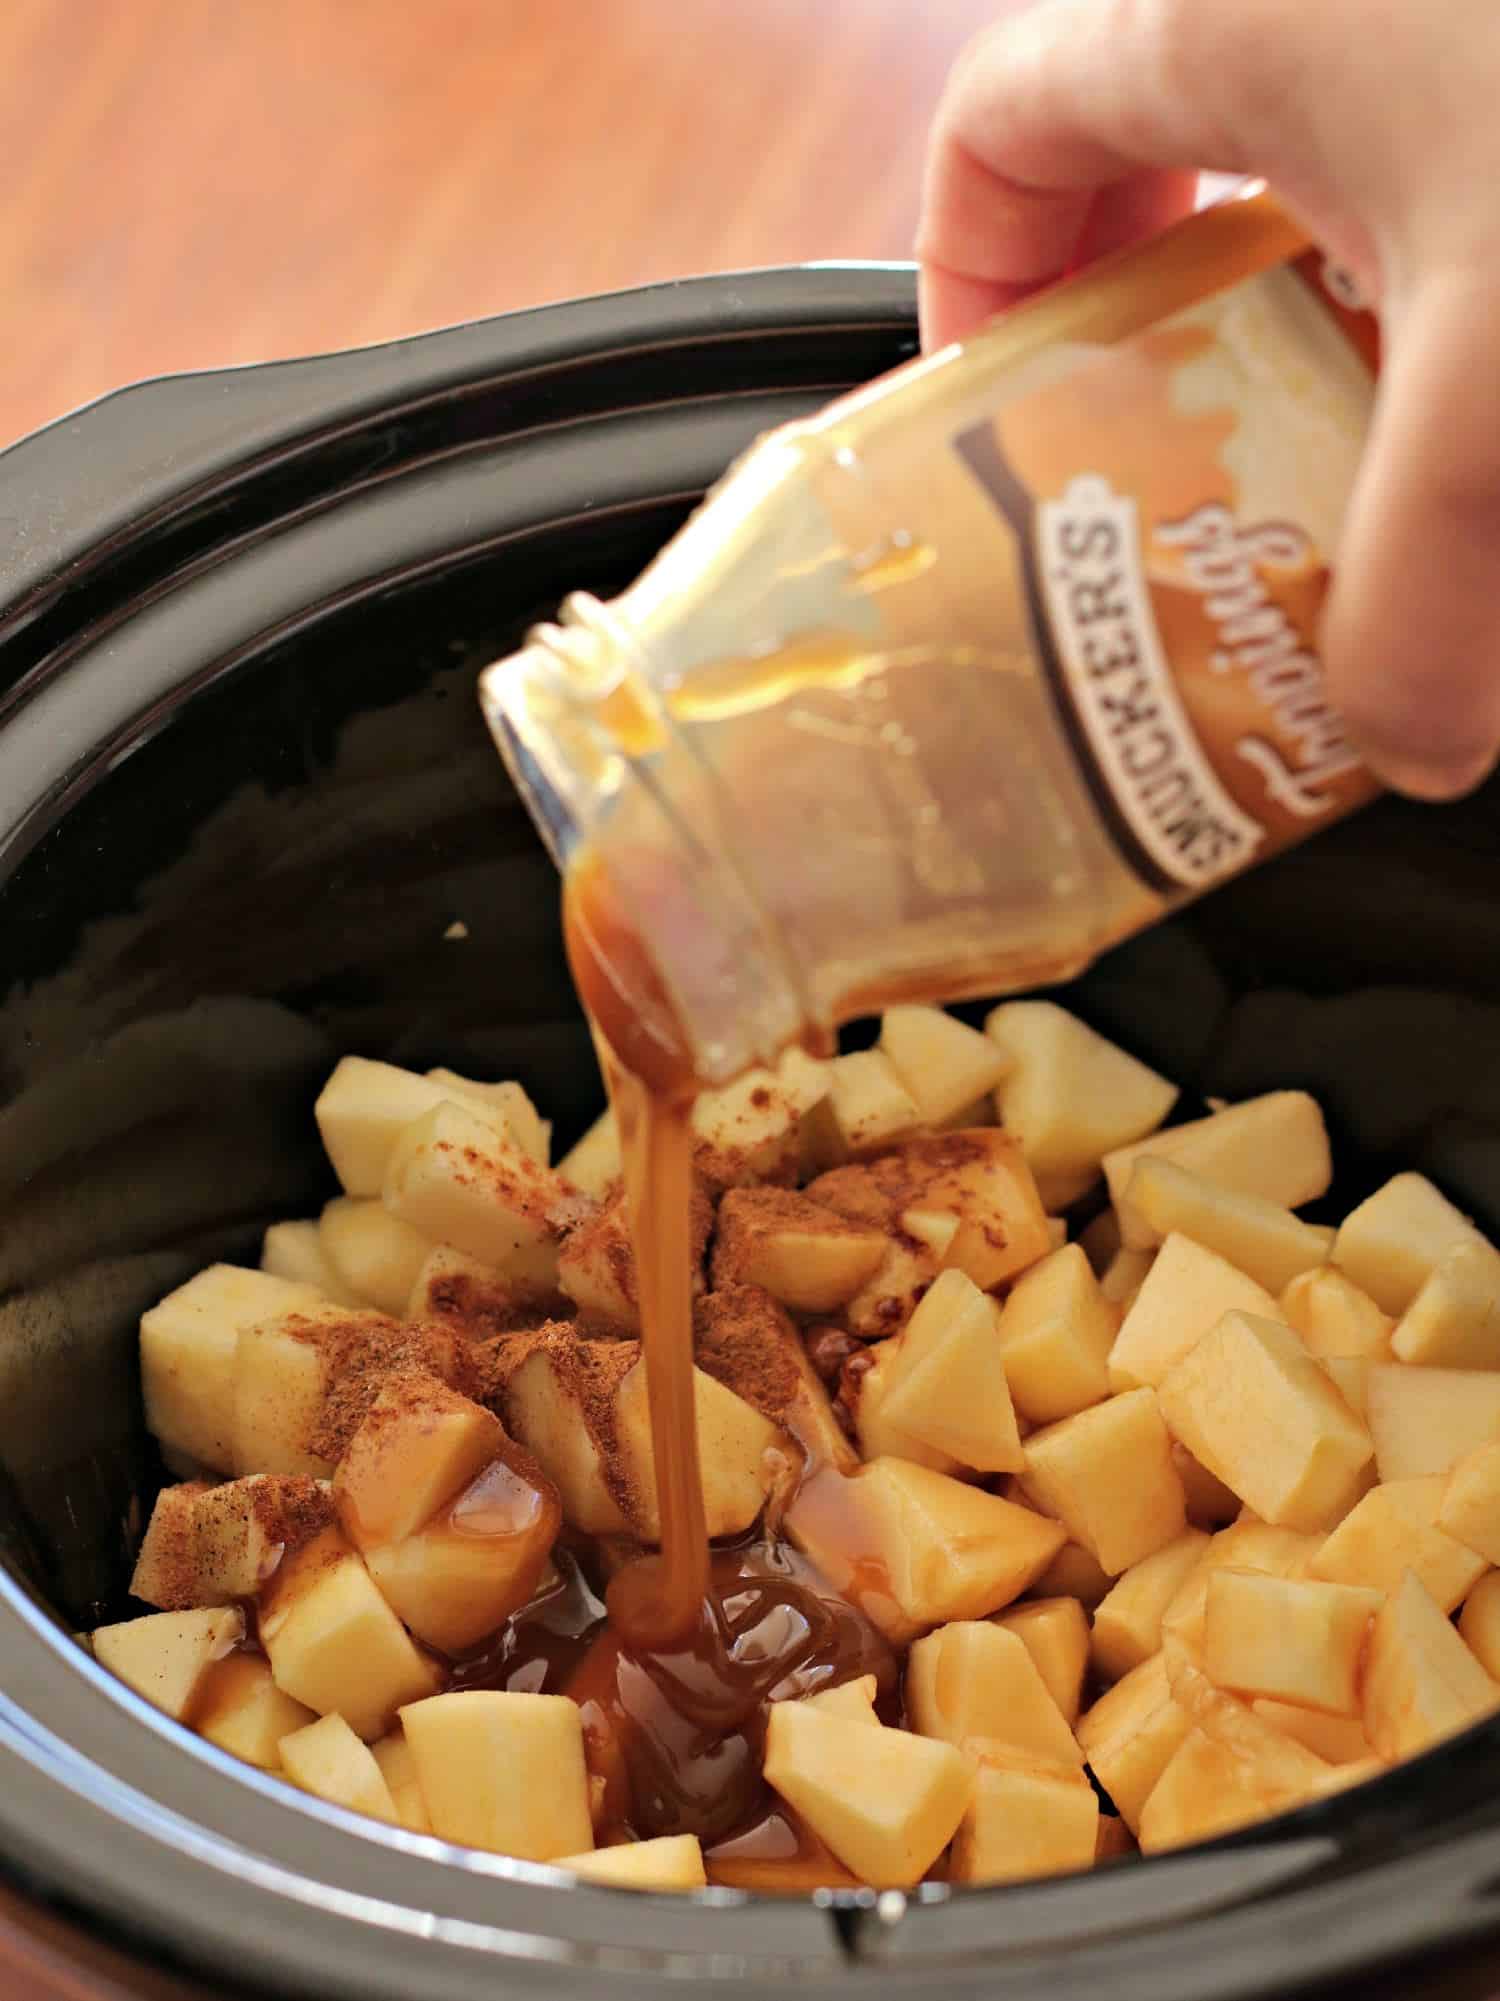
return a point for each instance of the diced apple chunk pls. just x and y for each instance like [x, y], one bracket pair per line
[1454, 1321]
[1027, 1818]
[503, 1772]
[213, 1545]
[1423, 1421]
[1204, 1790]
[1107, 1474]
[945, 1382]
[1071, 1096]
[749, 1345]
[1055, 1632]
[1127, 1622]
[509, 1102]
[1340, 1740]
[419, 1445]
[459, 1578]
[809, 1258]
[457, 1181]
[294, 1251]
[1469, 1508]
[1336, 1320]
[886, 1802]
[593, 1164]
[1393, 1242]
[326, 1758]
[1122, 1278]
[751, 1130]
[1274, 1146]
[1422, 1683]
[1130, 1736]
[1392, 1530]
[1292, 1639]
[867, 1107]
[240, 1708]
[1256, 1409]
[166, 1656]
[670, 1862]
[1262, 1239]
[974, 1679]
[373, 1255]
[1479, 1623]
[913, 1548]
[596, 1267]
[333, 1642]
[398, 1768]
[854, 1700]
[188, 1347]
[1056, 1331]
[1187, 1291]
[944, 1065]
[363, 1109]
[284, 1369]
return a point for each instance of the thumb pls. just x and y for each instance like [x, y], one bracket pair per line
[1412, 635]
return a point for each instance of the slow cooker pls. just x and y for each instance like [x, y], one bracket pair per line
[249, 820]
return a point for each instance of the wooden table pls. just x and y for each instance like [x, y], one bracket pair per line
[195, 182]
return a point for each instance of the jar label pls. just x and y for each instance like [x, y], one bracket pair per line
[1179, 496]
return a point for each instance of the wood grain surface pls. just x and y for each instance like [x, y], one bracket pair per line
[196, 182]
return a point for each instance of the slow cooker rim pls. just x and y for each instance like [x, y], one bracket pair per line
[861, 1937]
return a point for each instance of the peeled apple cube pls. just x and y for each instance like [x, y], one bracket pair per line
[854, 1700]
[867, 1106]
[913, 1548]
[373, 1255]
[1262, 1239]
[1127, 1621]
[1187, 1291]
[1454, 1321]
[165, 1656]
[1056, 1330]
[1469, 1503]
[1421, 1681]
[1071, 1097]
[1256, 1409]
[1394, 1529]
[974, 1679]
[398, 1768]
[282, 1374]
[1107, 1474]
[811, 1259]
[751, 1130]
[457, 1181]
[333, 1642]
[1274, 1146]
[240, 1708]
[670, 1862]
[886, 1802]
[944, 1064]
[365, 1107]
[879, 1437]
[188, 1345]
[508, 1102]
[1393, 1242]
[1204, 1790]
[1055, 1632]
[294, 1251]
[946, 1381]
[1336, 1320]
[503, 1772]
[1423, 1421]
[1027, 1818]
[419, 1446]
[1131, 1735]
[327, 1759]
[1295, 1640]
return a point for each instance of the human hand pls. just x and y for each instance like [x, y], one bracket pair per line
[1075, 126]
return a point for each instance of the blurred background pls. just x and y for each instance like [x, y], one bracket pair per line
[197, 182]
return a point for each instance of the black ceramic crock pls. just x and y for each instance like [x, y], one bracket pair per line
[249, 819]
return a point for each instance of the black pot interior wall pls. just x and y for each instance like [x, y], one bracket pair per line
[319, 852]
